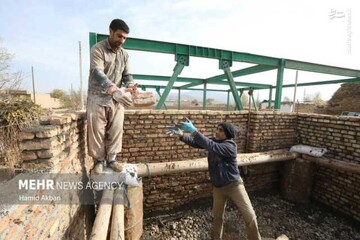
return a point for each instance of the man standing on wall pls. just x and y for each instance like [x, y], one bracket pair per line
[224, 174]
[109, 69]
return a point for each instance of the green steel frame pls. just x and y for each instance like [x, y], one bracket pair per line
[183, 52]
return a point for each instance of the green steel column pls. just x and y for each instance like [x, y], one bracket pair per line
[179, 99]
[254, 103]
[158, 92]
[204, 97]
[181, 61]
[279, 83]
[230, 78]
[92, 39]
[228, 101]
[270, 97]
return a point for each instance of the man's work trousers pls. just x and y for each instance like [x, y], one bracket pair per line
[237, 193]
[105, 129]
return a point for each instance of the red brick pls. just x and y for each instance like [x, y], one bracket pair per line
[28, 155]
[26, 135]
[47, 133]
[39, 144]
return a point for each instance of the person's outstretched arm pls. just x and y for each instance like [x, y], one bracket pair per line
[224, 149]
[189, 140]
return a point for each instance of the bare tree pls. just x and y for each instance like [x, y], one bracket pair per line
[71, 100]
[8, 79]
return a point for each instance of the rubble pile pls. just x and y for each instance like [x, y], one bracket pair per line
[275, 217]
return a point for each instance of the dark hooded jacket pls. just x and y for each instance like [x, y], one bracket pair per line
[222, 155]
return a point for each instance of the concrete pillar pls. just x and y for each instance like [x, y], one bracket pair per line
[297, 180]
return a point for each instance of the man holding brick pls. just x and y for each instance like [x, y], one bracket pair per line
[224, 174]
[109, 69]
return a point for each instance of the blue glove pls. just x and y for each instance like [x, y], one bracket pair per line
[187, 126]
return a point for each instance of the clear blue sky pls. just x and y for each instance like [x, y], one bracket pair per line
[45, 34]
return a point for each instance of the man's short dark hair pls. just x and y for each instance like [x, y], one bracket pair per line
[117, 24]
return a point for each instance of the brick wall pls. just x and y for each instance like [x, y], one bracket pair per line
[145, 141]
[59, 146]
[341, 136]
[56, 146]
[272, 130]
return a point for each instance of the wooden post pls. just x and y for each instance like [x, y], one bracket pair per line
[102, 220]
[117, 221]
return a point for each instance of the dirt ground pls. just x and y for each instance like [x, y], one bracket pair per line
[275, 217]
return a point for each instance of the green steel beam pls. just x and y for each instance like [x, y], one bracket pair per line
[233, 88]
[196, 81]
[265, 63]
[312, 67]
[177, 70]
[241, 72]
[336, 81]
[189, 89]
[92, 39]
[279, 83]
[349, 80]
[194, 51]
[204, 97]
[166, 78]
[238, 73]
[158, 92]
[247, 84]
